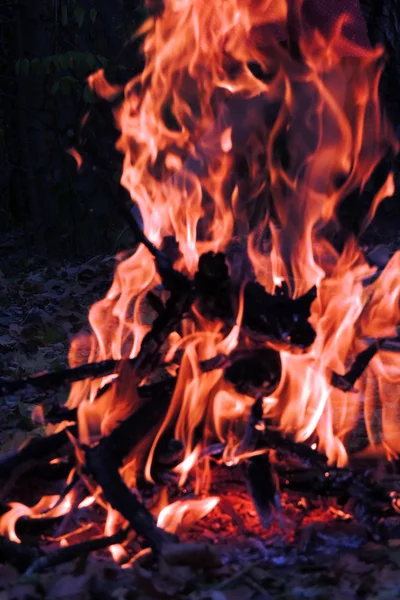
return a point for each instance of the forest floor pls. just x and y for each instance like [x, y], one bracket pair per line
[43, 305]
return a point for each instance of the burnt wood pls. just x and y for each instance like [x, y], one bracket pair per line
[69, 553]
[103, 467]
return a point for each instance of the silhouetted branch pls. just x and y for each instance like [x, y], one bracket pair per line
[63, 555]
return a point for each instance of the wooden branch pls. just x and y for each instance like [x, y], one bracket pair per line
[48, 381]
[178, 304]
[261, 484]
[123, 439]
[370, 500]
[18, 555]
[346, 382]
[104, 469]
[35, 449]
[104, 460]
[274, 440]
[63, 555]
[120, 442]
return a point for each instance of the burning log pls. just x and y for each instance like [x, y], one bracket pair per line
[103, 461]
[213, 286]
[252, 371]
[123, 439]
[36, 449]
[346, 382]
[261, 481]
[49, 381]
[275, 316]
[104, 470]
[120, 442]
[151, 343]
[278, 317]
[203, 177]
[285, 446]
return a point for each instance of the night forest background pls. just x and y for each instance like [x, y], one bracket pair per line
[48, 48]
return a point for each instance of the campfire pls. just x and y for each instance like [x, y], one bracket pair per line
[249, 336]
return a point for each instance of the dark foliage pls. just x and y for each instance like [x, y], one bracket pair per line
[48, 48]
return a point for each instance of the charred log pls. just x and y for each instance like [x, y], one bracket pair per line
[20, 556]
[120, 442]
[213, 286]
[278, 317]
[36, 449]
[288, 448]
[254, 372]
[261, 483]
[49, 381]
[346, 382]
[251, 371]
[103, 467]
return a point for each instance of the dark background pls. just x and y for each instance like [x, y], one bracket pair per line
[48, 47]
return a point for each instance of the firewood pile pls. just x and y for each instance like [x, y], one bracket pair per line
[248, 345]
[272, 464]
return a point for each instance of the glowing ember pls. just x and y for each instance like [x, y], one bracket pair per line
[235, 144]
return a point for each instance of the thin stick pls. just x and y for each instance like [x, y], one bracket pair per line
[35, 449]
[346, 382]
[274, 440]
[18, 555]
[71, 552]
[105, 471]
[120, 441]
[52, 380]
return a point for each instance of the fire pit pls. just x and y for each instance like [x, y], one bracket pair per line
[242, 369]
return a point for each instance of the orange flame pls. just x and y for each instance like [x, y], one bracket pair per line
[183, 513]
[78, 158]
[228, 134]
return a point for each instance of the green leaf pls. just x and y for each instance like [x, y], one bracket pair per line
[25, 66]
[67, 83]
[35, 66]
[88, 95]
[65, 86]
[18, 66]
[55, 86]
[93, 15]
[63, 61]
[79, 14]
[48, 62]
[78, 59]
[90, 60]
[64, 15]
